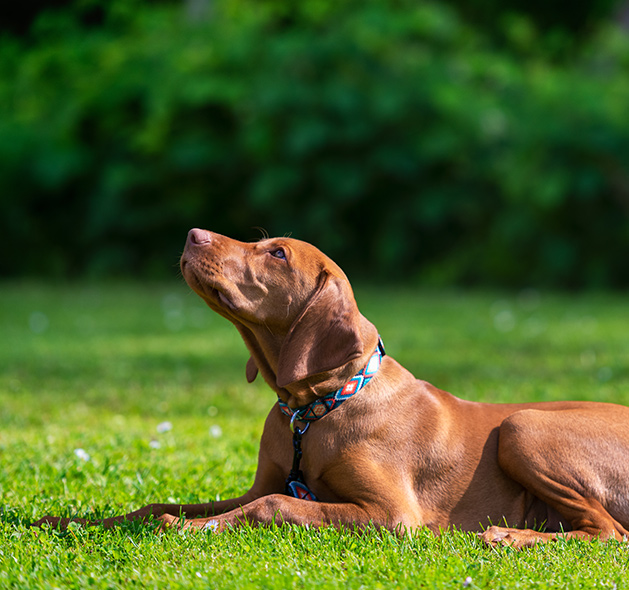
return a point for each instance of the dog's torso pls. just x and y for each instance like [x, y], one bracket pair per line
[432, 457]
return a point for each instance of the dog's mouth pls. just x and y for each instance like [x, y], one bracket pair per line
[220, 297]
[209, 292]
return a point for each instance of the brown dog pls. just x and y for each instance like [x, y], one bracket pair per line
[380, 446]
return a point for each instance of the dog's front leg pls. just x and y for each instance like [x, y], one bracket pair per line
[154, 512]
[187, 511]
[280, 509]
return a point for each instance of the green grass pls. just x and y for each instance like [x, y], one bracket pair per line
[100, 368]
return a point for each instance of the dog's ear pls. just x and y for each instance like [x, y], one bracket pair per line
[252, 370]
[325, 336]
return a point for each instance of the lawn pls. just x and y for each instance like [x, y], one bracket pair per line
[114, 396]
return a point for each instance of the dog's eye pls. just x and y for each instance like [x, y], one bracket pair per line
[278, 253]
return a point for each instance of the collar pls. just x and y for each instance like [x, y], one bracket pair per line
[324, 405]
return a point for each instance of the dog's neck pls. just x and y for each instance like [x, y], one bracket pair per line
[264, 349]
[321, 406]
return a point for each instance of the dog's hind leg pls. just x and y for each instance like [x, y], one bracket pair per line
[576, 461]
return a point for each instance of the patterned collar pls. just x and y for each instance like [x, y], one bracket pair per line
[323, 405]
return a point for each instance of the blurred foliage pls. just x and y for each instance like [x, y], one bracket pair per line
[562, 23]
[393, 135]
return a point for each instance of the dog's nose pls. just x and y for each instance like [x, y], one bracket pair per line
[199, 236]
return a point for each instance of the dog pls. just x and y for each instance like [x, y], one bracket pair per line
[356, 440]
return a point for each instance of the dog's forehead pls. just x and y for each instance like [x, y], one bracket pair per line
[309, 255]
[304, 248]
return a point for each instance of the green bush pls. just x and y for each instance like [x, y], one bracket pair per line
[392, 135]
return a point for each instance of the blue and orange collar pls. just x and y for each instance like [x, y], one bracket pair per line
[324, 405]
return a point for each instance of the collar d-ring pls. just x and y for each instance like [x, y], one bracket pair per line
[294, 429]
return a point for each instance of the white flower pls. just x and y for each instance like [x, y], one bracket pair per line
[155, 444]
[164, 426]
[216, 431]
[211, 525]
[82, 454]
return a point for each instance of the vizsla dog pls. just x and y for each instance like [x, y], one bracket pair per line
[356, 439]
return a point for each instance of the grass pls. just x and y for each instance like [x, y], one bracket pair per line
[150, 385]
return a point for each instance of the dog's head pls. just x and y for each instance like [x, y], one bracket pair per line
[291, 303]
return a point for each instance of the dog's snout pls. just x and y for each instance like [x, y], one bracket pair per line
[199, 236]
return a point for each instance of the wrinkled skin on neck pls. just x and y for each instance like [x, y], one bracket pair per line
[280, 293]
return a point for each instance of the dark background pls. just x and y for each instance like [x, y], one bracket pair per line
[468, 142]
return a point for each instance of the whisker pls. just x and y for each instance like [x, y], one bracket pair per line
[265, 234]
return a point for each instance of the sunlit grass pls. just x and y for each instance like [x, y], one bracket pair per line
[91, 375]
